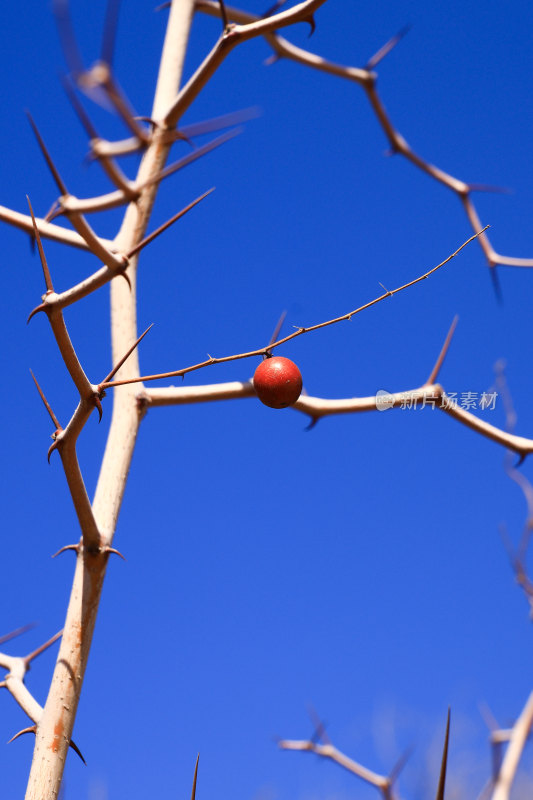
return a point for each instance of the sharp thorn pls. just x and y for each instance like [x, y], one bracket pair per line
[31, 656]
[126, 278]
[223, 14]
[31, 729]
[195, 777]
[312, 423]
[273, 9]
[83, 117]
[51, 449]
[126, 356]
[496, 284]
[77, 750]
[44, 264]
[46, 403]
[35, 311]
[110, 31]
[444, 763]
[386, 49]
[17, 632]
[51, 166]
[75, 547]
[113, 550]
[167, 224]
[98, 405]
[66, 36]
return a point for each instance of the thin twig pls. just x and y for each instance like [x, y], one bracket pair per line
[263, 350]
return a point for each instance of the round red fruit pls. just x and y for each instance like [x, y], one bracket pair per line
[278, 382]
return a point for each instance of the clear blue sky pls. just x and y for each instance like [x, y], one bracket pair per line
[358, 566]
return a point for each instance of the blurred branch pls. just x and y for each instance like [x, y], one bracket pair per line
[381, 782]
[518, 556]
[517, 741]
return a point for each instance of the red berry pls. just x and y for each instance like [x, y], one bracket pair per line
[278, 382]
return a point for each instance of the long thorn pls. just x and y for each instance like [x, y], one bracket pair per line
[46, 403]
[387, 47]
[41, 307]
[193, 793]
[51, 449]
[31, 729]
[75, 547]
[47, 157]
[128, 354]
[278, 327]
[496, 284]
[113, 550]
[77, 750]
[223, 14]
[98, 405]
[191, 157]
[42, 648]
[110, 31]
[273, 9]
[17, 632]
[44, 263]
[78, 108]
[400, 764]
[442, 776]
[66, 36]
[167, 224]
[442, 355]
[218, 123]
[320, 734]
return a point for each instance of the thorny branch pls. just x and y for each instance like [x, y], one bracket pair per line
[367, 79]
[153, 137]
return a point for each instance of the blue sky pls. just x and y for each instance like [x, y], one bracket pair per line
[356, 567]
